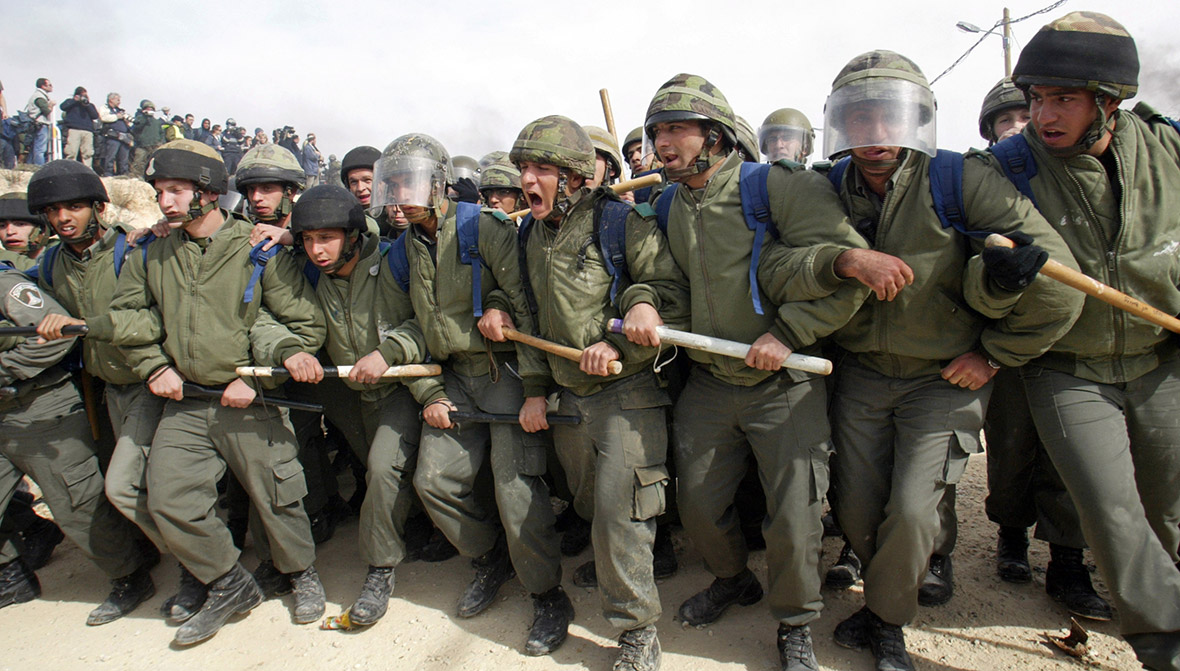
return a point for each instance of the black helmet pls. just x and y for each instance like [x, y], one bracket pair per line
[15, 207]
[330, 206]
[363, 156]
[64, 181]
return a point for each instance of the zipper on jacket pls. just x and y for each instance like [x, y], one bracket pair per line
[1109, 253]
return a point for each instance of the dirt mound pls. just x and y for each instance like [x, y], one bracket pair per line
[133, 201]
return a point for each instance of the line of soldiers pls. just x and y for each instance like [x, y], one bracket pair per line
[877, 259]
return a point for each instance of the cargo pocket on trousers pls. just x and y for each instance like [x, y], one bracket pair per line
[650, 483]
[960, 446]
[83, 482]
[535, 454]
[290, 485]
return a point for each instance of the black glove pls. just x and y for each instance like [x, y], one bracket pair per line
[1014, 269]
[465, 190]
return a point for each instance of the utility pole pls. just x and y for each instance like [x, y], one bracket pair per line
[1007, 44]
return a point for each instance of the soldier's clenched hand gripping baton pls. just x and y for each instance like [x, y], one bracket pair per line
[571, 353]
[737, 350]
[73, 330]
[622, 187]
[407, 370]
[507, 418]
[1092, 287]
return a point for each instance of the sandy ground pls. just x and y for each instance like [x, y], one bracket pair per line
[988, 625]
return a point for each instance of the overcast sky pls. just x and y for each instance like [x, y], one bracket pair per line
[472, 74]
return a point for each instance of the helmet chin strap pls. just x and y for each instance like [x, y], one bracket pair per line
[195, 209]
[565, 201]
[350, 250]
[88, 233]
[703, 162]
[1097, 130]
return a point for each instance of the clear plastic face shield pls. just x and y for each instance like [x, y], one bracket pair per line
[406, 180]
[648, 158]
[790, 142]
[231, 201]
[879, 112]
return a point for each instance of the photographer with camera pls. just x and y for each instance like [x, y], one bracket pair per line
[115, 154]
[233, 145]
[81, 117]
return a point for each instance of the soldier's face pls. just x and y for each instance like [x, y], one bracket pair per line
[1010, 122]
[679, 143]
[324, 246]
[15, 235]
[360, 183]
[783, 145]
[871, 124]
[538, 181]
[634, 157]
[1062, 116]
[174, 196]
[394, 213]
[504, 200]
[600, 168]
[264, 198]
[70, 219]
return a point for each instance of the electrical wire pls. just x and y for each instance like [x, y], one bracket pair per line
[992, 31]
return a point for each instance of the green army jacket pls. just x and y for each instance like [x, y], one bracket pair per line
[43, 389]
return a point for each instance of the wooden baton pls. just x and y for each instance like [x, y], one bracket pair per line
[1092, 287]
[622, 187]
[737, 350]
[606, 112]
[571, 353]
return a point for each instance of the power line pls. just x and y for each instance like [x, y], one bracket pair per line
[992, 31]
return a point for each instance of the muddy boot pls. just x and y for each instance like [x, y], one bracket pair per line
[1012, 555]
[309, 596]
[1067, 580]
[846, 571]
[663, 555]
[233, 593]
[639, 650]
[708, 604]
[938, 586]
[795, 652]
[492, 570]
[552, 613]
[40, 539]
[438, 548]
[126, 594]
[586, 575]
[853, 632]
[189, 598]
[888, 644]
[18, 583]
[271, 581]
[373, 601]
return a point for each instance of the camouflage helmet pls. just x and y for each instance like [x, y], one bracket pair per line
[465, 166]
[689, 97]
[492, 157]
[894, 89]
[362, 157]
[604, 143]
[791, 122]
[558, 141]
[414, 170]
[269, 164]
[500, 175]
[330, 206]
[636, 135]
[747, 142]
[64, 181]
[194, 161]
[1004, 96]
[1084, 50]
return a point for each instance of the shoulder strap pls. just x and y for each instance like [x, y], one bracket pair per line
[1018, 163]
[611, 227]
[258, 259]
[399, 263]
[467, 225]
[837, 170]
[120, 252]
[664, 206]
[48, 258]
[756, 210]
[312, 273]
[522, 241]
[643, 195]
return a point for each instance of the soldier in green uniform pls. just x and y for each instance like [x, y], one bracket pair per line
[371, 326]
[47, 437]
[732, 409]
[786, 133]
[911, 392]
[457, 304]
[614, 458]
[24, 234]
[194, 287]
[1105, 398]
[499, 186]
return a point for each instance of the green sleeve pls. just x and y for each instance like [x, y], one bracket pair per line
[289, 297]
[133, 321]
[25, 304]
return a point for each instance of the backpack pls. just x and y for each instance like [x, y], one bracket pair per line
[755, 209]
[609, 235]
[49, 256]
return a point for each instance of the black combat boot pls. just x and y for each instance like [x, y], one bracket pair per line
[492, 570]
[794, 649]
[1068, 581]
[663, 554]
[18, 583]
[373, 601]
[1012, 555]
[888, 644]
[576, 536]
[235, 592]
[708, 604]
[126, 593]
[586, 575]
[639, 650]
[853, 632]
[271, 581]
[846, 571]
[938, 586]
[438, 548]
[309, 596]
[189, 598]
[552, 614]
[39, 540]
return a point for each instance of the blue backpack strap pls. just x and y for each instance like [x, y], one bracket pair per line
[522, 241]
[946, 188]
[1018, 163]
[45, 267]
[312, 273]
[399, 263]
[258, 259]
[467, 223]
[664, 206]
[612, 241]
[756, 210]
[643, 195]
[836, 172]
[120, 252]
